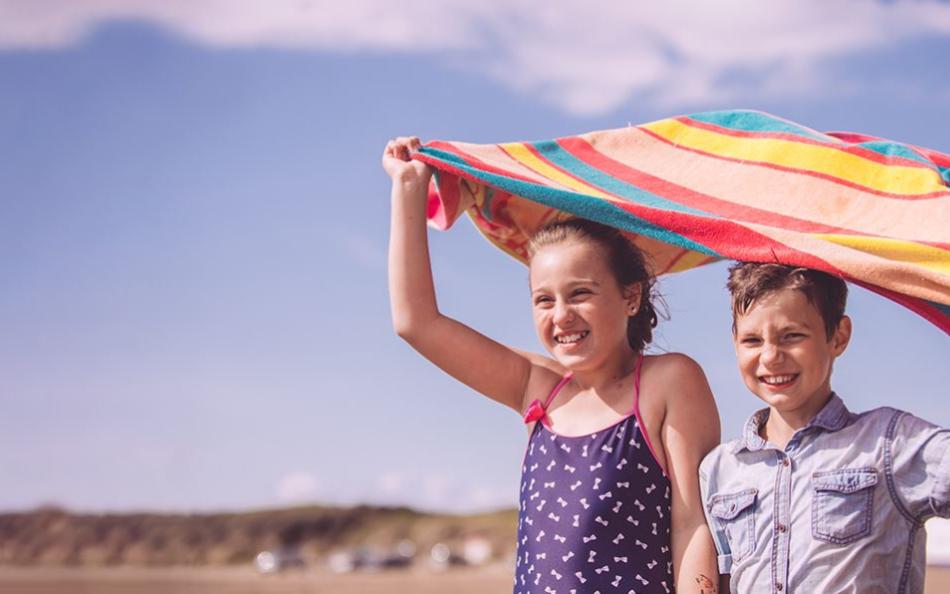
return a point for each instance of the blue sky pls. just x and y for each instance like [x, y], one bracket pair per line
[193, 221]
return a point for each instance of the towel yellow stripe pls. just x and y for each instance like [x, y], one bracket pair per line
[523, 155]
[893, 179]
[690, 260]
[898, 250]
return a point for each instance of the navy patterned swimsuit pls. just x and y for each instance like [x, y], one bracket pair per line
[594, 516]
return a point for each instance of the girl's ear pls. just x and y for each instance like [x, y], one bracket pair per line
[631, 293]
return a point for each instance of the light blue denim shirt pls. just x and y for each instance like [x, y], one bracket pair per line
[841, 509]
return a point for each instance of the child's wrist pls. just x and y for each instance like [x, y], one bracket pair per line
[410, 193]
[411, 182]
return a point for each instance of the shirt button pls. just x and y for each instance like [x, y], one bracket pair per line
[782, 528]
[784, 461]
[778, 586]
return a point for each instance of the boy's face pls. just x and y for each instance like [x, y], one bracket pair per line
[785, 357]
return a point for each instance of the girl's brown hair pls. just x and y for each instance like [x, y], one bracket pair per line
[624, 259]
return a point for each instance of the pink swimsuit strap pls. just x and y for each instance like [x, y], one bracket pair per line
[567, 377]
[643, 427]
[636, 389]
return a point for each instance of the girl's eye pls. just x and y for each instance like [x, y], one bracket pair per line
[541, 300]
[580, 292]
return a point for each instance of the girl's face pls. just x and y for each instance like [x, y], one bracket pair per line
[580, 311]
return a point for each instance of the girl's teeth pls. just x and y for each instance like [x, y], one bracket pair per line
[568, 338]
[778, 379]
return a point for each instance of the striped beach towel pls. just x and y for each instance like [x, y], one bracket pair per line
[739, 185]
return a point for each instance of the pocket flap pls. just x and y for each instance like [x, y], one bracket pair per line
[726, 506]
[847, 480]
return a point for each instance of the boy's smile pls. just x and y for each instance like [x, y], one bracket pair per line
[784, 355]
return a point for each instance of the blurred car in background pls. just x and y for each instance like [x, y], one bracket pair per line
[371, 559]
[278, 560]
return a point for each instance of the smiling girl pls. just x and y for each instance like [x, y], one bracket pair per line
[609, 498]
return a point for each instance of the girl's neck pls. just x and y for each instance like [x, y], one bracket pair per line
[608, 374]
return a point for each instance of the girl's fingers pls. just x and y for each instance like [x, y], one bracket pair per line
[412, 142]
[401, 147]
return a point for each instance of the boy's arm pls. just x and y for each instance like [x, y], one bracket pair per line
[920, 465]
[690, 431]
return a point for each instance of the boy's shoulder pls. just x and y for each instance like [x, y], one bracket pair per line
[881, 414]
[885, 421]
[874, 423]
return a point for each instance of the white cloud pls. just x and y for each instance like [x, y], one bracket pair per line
[323, 24]
[584, 57]
[296, 487]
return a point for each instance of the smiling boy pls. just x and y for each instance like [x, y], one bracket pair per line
[813, 497]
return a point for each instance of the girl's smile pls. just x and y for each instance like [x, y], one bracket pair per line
[571, 339]
[580, 311]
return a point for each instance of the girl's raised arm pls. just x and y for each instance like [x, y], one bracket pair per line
[484, 365]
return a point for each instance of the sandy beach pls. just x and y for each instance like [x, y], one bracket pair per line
[489, 580]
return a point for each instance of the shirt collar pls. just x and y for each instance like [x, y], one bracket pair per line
[832, 417]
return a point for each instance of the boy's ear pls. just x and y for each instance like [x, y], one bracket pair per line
[842, 336]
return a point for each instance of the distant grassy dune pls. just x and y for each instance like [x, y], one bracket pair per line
[58, 537]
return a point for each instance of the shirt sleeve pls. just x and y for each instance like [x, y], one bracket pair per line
[919, 464]
[723, 552]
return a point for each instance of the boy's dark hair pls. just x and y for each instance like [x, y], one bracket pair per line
[624, 259]
[750, 281]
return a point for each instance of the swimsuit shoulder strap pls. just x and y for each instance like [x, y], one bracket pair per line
[636, 412]
[557, 388]
[636, 388]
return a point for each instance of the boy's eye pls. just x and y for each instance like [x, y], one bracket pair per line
[750, 341]
[794, 336]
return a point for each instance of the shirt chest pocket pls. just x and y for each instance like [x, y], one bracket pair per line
[735, 513]
[842, 504]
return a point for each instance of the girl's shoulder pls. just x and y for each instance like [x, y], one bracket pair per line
[679, 388]
[676, 376]
[545, 375]
[671, 364]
